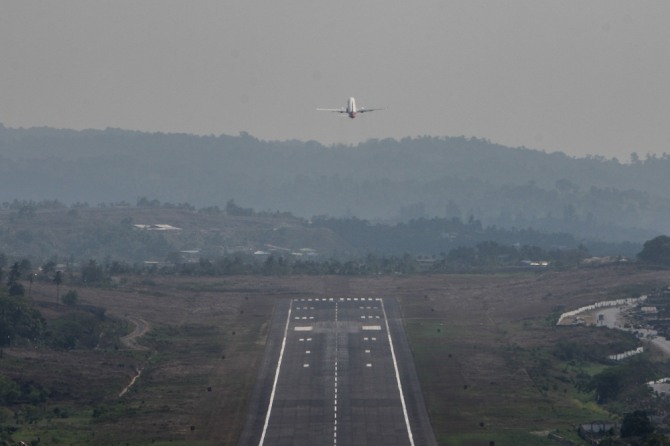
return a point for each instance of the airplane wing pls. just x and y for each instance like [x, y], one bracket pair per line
[365, 110]
[336, 110]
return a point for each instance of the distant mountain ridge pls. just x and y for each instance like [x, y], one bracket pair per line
[379, 180]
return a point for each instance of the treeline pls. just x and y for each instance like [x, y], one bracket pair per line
[437, 235]
[487, 256]
[28, 207]
[484, 257]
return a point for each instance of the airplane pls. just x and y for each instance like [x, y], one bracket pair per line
[351, 109]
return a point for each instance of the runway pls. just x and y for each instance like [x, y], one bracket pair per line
[337, 371]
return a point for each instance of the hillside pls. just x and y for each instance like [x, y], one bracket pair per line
[136, 234]
[379, 180]
[151, 233]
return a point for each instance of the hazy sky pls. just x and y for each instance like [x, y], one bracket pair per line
[579, 76]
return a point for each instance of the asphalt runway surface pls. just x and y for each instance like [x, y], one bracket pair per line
[337, 371]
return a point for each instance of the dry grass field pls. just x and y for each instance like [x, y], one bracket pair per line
[481, 343]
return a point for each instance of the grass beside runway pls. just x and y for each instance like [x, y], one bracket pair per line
[482, 383]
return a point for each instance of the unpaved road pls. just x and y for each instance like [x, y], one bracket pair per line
[130, 341]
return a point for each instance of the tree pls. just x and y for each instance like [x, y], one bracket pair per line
[71, 298]
[463, 255]
[49, 267]
[58, 279]
[656, 440]
[233, 209]
[13, 285]
[25, 267]
[9, 390]
[608, 384]
[16, 289]
[31, 278]
[14, 273]
[92, 272]
[19, 319]
[144, 202]
[656, 251]
[636, 424]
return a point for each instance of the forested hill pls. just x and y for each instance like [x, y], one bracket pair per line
[386, 180]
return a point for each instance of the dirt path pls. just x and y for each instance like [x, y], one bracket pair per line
[132, 381]
[130, 341]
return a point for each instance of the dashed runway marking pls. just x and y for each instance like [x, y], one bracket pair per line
[342, 331]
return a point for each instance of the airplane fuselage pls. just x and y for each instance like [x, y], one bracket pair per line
[351, 110]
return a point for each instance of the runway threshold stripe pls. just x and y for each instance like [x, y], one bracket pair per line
[397, 376]
[274, 385]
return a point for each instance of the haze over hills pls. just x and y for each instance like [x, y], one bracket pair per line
[380, 180]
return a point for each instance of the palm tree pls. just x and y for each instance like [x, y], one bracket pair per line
[31, 279]
[58, 279]
[13, 285]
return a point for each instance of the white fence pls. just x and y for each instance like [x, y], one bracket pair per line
[628, 354]
[603, 304]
